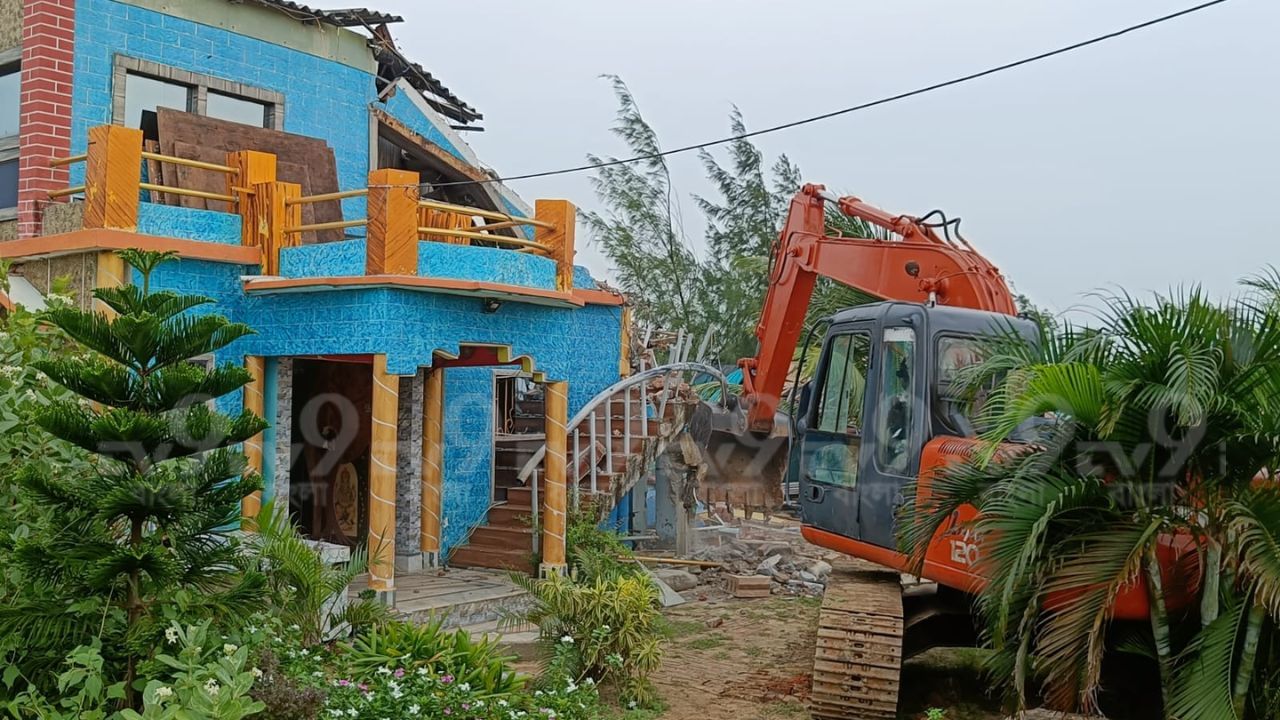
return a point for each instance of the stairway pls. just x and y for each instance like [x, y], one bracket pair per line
[505, 540]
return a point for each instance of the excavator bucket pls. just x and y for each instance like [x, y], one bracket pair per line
[744, 470]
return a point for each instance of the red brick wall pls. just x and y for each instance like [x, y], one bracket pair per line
[48, 59]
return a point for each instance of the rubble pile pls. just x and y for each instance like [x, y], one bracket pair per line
[794, 566]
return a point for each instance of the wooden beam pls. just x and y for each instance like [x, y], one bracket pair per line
[252, 169]
[382, 477]
[563, 216]
[392, 236]
[270, 214]
[113, 176]
[432, 465]
[112, 272]
[555, 498]
[251, 505]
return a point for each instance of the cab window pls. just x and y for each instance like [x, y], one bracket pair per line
[897, 402]
[958, 410]
[844, 386]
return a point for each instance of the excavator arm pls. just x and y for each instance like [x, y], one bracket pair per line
[916, 264]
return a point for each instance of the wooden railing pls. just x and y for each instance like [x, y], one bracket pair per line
[271, 211]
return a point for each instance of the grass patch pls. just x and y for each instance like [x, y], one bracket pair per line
[709, 642]
[781, 710]
[672, 629]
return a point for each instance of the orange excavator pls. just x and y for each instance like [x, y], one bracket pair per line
[882, 412]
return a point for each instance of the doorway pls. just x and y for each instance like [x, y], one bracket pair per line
[330, 433]
[519, 420]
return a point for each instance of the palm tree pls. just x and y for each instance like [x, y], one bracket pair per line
[1161, 419]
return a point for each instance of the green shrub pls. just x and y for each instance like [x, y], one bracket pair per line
[479, 663]
[606, 630]
[594, 552]
[208, 680]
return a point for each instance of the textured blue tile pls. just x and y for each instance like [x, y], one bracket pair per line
[188, 223]
[465, 262]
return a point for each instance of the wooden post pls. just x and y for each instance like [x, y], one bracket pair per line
[112, 272]
[252, 503]
[382, 478]
[392, 235]
[432, 465]
[555, 499]
[563, 215]
[269, 215]
[624, 357]
[113, 173]
[254, 168]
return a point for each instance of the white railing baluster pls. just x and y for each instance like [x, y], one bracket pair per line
[537, 514]
[626, 422]
[608, 437]
[644, 408]
[577, 463]
[594, 464]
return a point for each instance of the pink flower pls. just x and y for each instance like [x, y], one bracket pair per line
[344, 683]
[447, 711]
[446, 679]
[466, 706]
[363, 687]
[399, 672]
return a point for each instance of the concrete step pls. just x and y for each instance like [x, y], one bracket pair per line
[502, 537]
[511, 515]
[470, 556]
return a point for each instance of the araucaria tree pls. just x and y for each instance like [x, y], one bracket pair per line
[145, 536]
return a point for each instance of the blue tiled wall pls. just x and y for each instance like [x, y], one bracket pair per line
[188, 223]
[465, 262]
[582, 278]
[468, 451]
[334, 259]
[402, 108]
[323, 98]
[221, 282]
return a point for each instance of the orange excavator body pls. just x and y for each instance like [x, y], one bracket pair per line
[917, 268]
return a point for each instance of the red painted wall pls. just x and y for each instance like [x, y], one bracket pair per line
[48, 60]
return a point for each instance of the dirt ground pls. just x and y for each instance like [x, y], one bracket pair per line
[728, 659]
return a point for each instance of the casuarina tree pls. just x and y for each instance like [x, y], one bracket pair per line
[146, 536]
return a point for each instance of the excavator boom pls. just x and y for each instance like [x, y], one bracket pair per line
[914, 264]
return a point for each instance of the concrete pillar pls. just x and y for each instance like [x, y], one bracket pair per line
[253, 402]
[409, 475]
[555, 498]
[283, 448]
[382, 479]
[112, 273]
[432, 466]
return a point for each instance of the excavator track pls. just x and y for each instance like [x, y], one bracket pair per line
[858, 658]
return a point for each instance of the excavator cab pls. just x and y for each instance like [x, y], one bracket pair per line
[884, 387]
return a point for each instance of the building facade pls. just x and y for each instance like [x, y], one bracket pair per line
[316, 185]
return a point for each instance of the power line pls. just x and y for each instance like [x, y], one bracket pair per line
[854, 108]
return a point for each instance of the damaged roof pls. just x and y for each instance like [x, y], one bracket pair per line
[348, 17]
[392, 64]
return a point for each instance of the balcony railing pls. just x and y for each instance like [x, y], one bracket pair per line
[397, 217]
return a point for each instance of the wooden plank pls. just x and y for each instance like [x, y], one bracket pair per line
[382, 477]
[307, 161]
[113, 173]
[253, 402]
[391, 246]
[561, 214]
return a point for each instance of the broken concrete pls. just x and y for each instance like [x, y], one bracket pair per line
[678, 580]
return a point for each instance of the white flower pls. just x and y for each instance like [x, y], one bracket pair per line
[253, 630]
[229, 649]
[212, 687]
[352, 712]
[503, 703]
[422, 671]
[384, 670]
[257, 673]
[465, 687]
[397, 694]
[336, 712]
[590, 681]
[415, 709]
[296, 628]
[567, 640]
[171, 635]
[571, 687]
[318, 673]
[304, 652]
[164, 692]
[632, 704]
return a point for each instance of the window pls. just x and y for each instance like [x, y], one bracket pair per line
[845, 385]
[896, 424]
[141, 86]
[10, 99]
[228, 107]
[146, 94]
[960, 406]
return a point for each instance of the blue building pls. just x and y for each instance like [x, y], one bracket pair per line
[315, 183]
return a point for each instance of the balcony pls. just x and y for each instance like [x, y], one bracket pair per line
[403, 240]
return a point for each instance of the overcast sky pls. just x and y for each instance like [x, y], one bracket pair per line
[1147, 161]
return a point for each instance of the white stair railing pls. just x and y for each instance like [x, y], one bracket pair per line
[590, 414]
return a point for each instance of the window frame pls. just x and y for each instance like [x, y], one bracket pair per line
[9, 144]
[820, 388]
[882, 399]
[198, 88]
